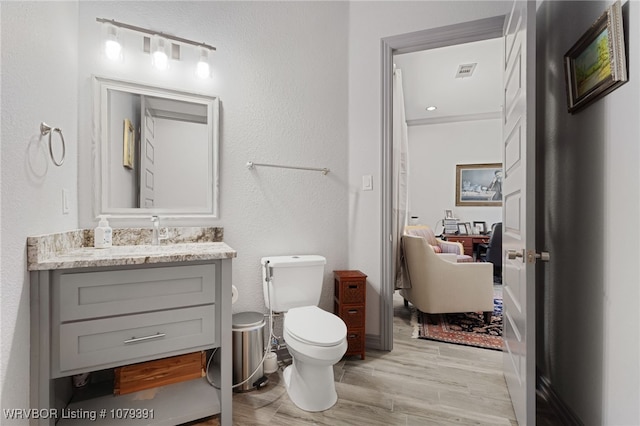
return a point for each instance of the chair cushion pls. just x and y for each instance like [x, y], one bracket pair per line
[464, 258]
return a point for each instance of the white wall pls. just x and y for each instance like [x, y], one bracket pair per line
[39, 83]
[181, 173]
[282, 77]
[434, 152]
[589, 209]
[369, 22]
[280, 71]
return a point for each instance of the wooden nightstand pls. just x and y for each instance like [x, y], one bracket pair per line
[349, 304]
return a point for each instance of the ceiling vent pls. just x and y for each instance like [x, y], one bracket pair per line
[465, 70]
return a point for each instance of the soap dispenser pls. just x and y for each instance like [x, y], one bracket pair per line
[102, 235]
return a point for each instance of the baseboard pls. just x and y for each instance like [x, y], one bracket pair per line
[372, 341]
[562, 411]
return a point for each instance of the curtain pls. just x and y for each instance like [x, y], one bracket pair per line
[400, 178]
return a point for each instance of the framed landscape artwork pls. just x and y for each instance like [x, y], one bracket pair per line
[479, 184]
[596, 64]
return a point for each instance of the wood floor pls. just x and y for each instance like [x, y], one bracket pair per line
[420, 382]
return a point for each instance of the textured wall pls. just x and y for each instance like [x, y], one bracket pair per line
[282, 80]
[588, 213]
[39, 83]
[369, 22]
[434, 151]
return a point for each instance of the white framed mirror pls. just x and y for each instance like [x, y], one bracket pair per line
[156, 151]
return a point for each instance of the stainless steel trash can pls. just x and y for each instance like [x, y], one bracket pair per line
[248, 350]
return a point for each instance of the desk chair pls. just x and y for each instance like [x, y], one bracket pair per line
[492, 252]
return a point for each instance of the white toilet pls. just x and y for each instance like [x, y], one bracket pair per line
[316, 339]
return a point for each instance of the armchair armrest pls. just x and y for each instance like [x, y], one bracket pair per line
[449, 257]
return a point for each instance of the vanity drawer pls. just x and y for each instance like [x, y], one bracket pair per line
[112, 340]
[87, 295]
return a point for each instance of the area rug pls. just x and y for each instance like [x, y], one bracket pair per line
[462, 328]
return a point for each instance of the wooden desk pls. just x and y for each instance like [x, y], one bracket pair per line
[469, 242]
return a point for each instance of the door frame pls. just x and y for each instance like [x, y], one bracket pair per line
[466, 32]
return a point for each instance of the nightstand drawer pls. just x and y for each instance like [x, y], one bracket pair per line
[88, 295]
[353, 316]
[111, 340]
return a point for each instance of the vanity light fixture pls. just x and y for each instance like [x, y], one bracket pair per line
[162, 47]
[202, 68]
[160, 58]
[112, 45]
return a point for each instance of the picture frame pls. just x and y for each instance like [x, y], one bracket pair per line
[128, 144]
[448, 214]
[479, 184]
[462, 229]
[596, 64]
[481, 227]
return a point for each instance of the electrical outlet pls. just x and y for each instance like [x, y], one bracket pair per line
[65, 201]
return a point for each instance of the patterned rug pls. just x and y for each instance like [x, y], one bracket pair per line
[462, 328]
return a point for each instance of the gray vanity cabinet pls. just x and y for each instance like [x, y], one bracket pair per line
[95, 319]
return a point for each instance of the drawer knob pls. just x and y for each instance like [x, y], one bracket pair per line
[144, 339]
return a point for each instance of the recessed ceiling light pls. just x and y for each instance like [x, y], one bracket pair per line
[431, 108]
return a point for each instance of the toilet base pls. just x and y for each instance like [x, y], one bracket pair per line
[310, 388]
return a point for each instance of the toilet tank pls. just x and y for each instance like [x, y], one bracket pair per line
[295, 281]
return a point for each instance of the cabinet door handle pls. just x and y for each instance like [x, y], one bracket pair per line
[144, 339]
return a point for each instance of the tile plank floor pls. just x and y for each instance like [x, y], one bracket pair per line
[420, 382]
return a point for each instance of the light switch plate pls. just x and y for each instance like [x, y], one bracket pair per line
[65, 201]
[367, 183]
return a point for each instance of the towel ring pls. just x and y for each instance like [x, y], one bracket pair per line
[45, 129]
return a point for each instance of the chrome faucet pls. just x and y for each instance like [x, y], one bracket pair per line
[155, 232]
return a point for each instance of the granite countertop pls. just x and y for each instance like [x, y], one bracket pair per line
[74, 249]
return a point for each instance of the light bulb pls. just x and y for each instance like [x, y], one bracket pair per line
[202, 68]
[160, 58]
[112, 47]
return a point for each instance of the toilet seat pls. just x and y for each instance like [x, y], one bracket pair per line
[313, 326]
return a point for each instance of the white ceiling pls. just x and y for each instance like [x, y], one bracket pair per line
[429, 78]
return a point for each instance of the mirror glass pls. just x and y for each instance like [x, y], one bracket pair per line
[158, 151]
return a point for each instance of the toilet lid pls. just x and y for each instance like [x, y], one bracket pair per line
[314, 326]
